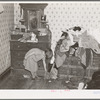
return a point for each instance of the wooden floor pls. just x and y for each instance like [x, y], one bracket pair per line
[15, 80]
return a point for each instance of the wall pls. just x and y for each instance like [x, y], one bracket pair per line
[61, 16]
[64, 15]
[6, 23]
[17, 15]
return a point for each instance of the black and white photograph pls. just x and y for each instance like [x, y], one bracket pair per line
[50, 46]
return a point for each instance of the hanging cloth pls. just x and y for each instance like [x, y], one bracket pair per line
[1, 9]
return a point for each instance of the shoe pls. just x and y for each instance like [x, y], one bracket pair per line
[33, 78]
[37, 77]
[67, 81]
[26, 76]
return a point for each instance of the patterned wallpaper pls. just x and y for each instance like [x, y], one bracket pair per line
[61, 16]
[6, 23]
[17, 15]
[64, 15]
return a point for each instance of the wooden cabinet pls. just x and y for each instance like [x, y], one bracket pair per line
[19, 49]
[32, 14]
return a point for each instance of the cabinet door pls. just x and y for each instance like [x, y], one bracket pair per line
[33, 12]
[33, 19]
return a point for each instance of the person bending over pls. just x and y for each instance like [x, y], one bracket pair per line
[33, 56]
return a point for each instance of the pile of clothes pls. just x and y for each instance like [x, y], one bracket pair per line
[76, 41]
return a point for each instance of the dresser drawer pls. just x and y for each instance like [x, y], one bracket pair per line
[16, 45]
[17, 64]
[18, 54]
[19, 49]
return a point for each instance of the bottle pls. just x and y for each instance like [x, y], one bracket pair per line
[33, 37]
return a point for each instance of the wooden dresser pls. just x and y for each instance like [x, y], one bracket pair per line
[32, 20]
[19, 49]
